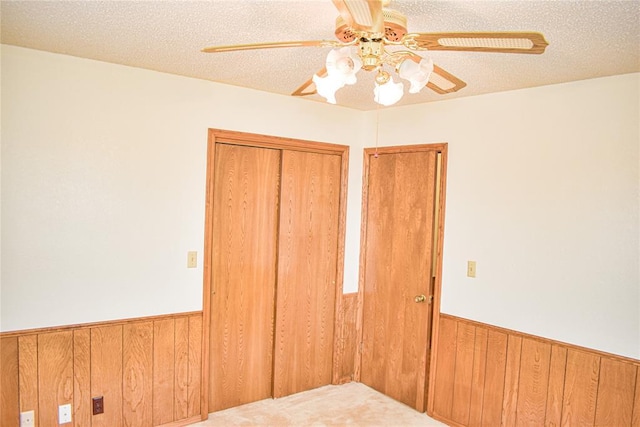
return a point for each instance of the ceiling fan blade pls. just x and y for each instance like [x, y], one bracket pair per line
[301, 90]
[362, 15]
[443, 82]
[251, 46]
[508, 42]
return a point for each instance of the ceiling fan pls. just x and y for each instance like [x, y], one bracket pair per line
[379, 37]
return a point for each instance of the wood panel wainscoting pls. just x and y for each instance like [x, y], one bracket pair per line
[346, 341]
[490, 376]
[148, 371]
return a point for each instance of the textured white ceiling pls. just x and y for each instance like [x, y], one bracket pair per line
[587, 39]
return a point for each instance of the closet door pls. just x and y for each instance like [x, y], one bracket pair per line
[245, 223]
[307, 263]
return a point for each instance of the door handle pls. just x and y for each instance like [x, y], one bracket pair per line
[420, 298]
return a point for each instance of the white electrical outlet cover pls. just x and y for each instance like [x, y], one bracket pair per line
[27, 419]
[64, 414]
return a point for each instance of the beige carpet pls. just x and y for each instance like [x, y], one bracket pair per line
[352, 404]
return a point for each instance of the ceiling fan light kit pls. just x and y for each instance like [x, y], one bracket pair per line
[369, 27]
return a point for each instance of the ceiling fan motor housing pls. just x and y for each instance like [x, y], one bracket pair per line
[395, 27]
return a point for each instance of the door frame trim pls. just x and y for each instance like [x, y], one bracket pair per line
[266, 141]
[368, 153]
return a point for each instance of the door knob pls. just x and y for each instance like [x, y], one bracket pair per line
[420, 298]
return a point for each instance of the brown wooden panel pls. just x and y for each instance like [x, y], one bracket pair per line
[307, 263]
[635, 422]
[82, 410]
[194, 381]
[511, 380]
[106, 374]
[555, 392]
[245, 221]
[478, 379]
[9, 386]
[463, 377]
[397, 268]
[181, 404]
[163, 371]
[137, 361]
[533, 383]
[616, 391]
[445, 368]
[494, 378]
[55, 374]
[580, 388]
[28, 374]
[347, 340]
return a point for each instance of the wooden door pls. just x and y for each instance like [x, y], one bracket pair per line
[245, 223]
[399, 213]
[307, 267]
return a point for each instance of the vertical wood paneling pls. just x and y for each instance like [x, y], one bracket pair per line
[520, 380]
[245, 222]
[182, 368]
[82, 378]
[478, 379]
[163, 371]
[306, 276]
[511, 379]
[494, 378]
[635, 422]
[55, 374]
[137, 361]
[9, 386]
[616, 391]
[445, 369]
[195, 365]
[555, 392]
[47, 368]
[346, 342]
[28, 374]
[533, 383]
[463, 375]
[580, 388]
[106, 374]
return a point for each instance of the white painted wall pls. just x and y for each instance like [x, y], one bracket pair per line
[543, 192]
[103, 171]
[103, 183]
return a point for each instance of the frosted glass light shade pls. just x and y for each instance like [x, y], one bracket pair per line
[388, 93]
[417, 73]
[341, 64]
[327, 86]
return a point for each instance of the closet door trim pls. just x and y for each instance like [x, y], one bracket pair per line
[219, 136]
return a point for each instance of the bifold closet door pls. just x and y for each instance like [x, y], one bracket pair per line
[244, 258]
[307, 262]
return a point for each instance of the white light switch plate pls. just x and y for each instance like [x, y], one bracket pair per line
[192, 259]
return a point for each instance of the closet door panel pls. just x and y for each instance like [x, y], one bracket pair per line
[307, 261]
[245, 223]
